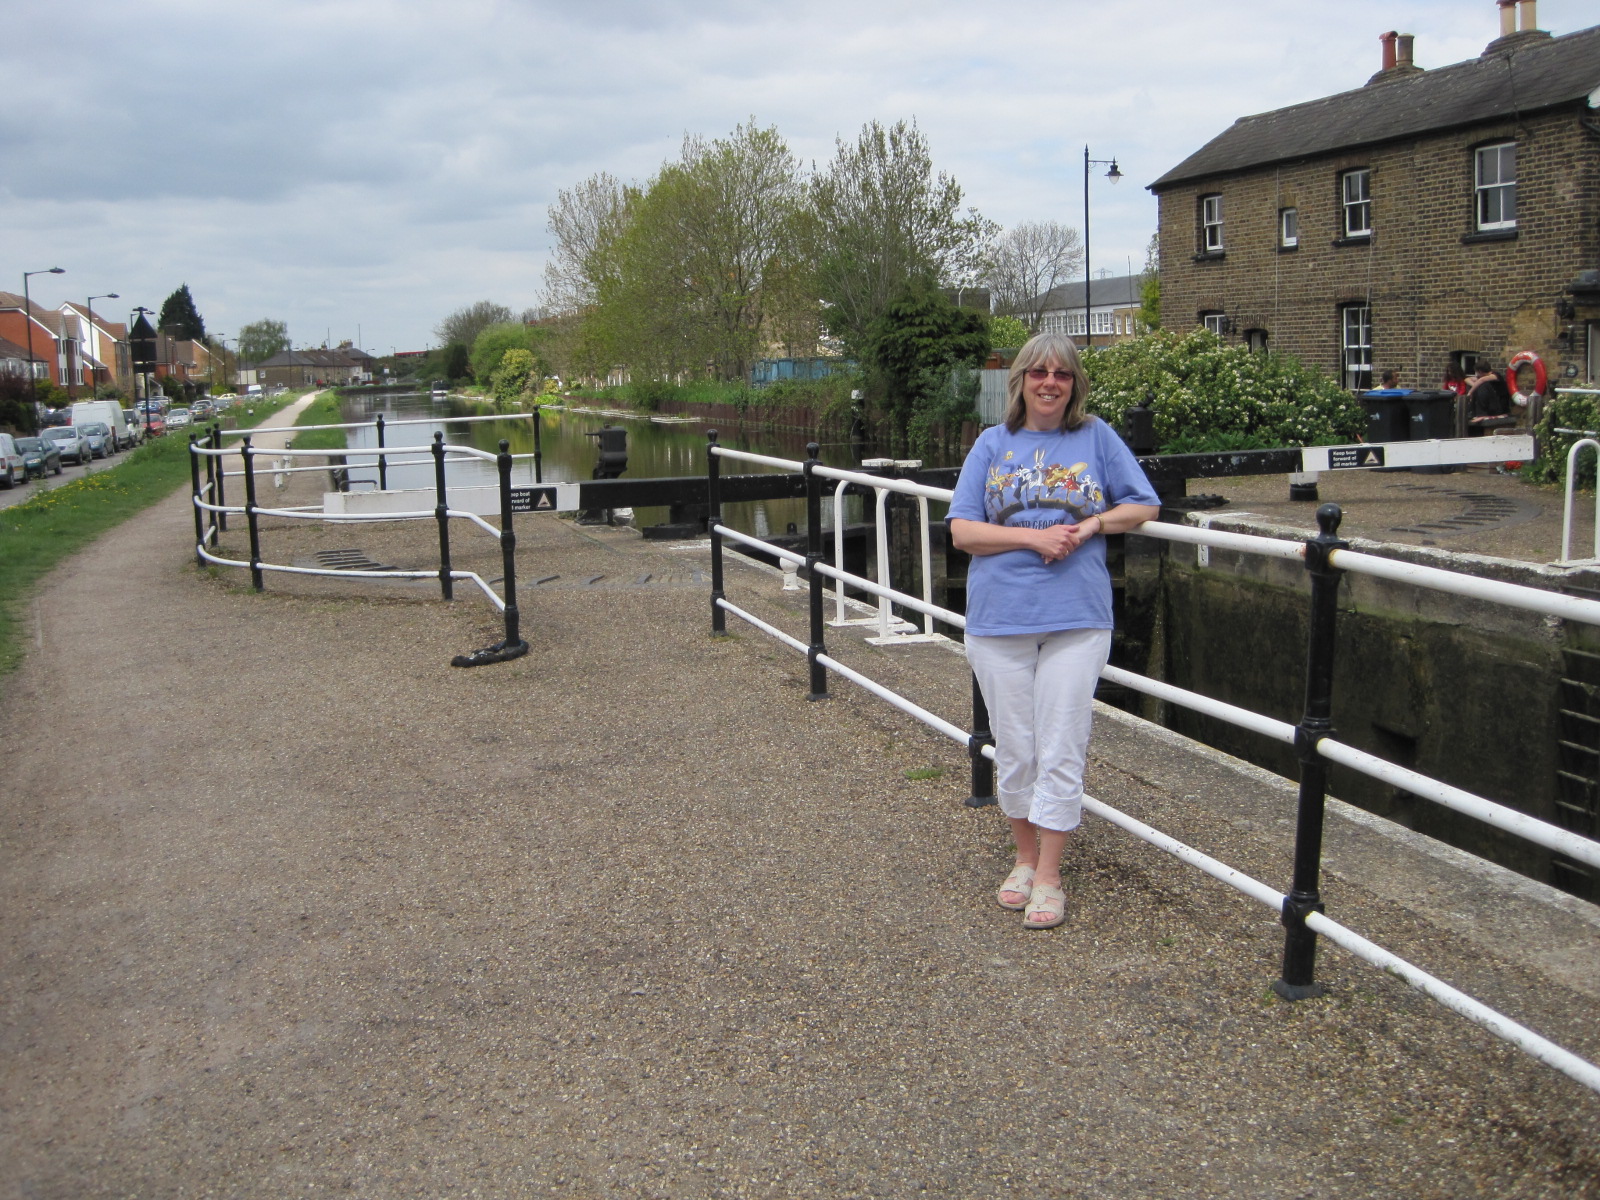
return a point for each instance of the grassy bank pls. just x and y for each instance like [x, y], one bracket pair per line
[44, 529]
[324, 410]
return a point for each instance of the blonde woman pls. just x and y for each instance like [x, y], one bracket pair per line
[1036, 497]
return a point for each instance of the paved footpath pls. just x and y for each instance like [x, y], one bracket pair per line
[289, 906]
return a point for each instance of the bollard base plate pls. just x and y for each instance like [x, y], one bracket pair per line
[1298, 991]
[499, 652]
[979, 801]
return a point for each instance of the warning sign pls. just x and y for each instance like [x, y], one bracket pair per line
[533, 499]
[1348, 457]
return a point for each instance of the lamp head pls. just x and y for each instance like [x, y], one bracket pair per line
[1114, 174]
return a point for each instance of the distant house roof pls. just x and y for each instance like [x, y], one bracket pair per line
[12, 350]
[1514, 76]
[47, 317]
[342, 357]
[1114, 291]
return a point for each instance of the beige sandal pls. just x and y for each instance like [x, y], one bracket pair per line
[1047, 907]
[1019, 881]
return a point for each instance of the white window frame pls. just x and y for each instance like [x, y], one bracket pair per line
[1075, 323]
[1355, 346]
[1357, 208]
[1494, 196]
[1288, 227]
[1100, 322]
[1215, 321]
[1211, 223]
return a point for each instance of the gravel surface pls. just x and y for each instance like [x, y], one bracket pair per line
[289, 906]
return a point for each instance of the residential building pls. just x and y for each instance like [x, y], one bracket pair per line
[300, 368]
[1113, 315]
[102, 346]
[1428, 218]
[32, 326]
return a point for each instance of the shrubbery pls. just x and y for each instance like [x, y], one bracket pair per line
[1564, 412]
[1208, 396]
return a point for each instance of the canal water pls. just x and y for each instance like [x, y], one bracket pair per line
[656, 449]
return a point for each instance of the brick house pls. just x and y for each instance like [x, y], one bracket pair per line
[299, 368]
[36, 325]
[1428, 217]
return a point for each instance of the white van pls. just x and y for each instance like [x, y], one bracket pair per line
[109, 413]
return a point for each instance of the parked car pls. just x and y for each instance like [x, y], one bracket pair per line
[177, 418]
[40, 456]
[201, 409]
[135, 425]
[70, 442]
[107, 413]
[154, 424]
[12, 467]
[102, 442]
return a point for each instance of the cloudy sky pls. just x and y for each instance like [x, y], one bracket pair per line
[360, 168]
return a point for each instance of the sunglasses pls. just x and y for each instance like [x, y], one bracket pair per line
[1040, 374]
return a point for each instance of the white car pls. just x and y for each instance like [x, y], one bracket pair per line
[177, 418]
[12, 468]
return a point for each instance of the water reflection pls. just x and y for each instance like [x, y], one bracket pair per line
[655, 450]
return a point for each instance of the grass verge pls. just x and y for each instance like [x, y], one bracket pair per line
[50, 525]
[324, 410]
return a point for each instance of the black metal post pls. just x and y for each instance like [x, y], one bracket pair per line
[508, 547]
[1300, 942]
[819, 673]
[212, 461]
[719, 619]
[982, 766]
[383, 459]
[220, 493]
[441, 513]
[199, 513]
[538, 451]
[250, 514]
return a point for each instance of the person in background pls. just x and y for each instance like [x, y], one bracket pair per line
[1454, 380]
[1035, 497]
[1487, 398]
[1391, 379]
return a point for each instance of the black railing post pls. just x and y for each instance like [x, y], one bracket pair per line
[508, 546]
[199, 513]
[250, 514]
[1300, 942]
[538, 451]
[819, 672]
[219, 494]
[719, 619]
[383, 459]
[441, 513]
[982, 765]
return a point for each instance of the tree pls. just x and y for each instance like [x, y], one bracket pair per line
[585, 220]
[1150, 285]
[710, 260]
[913, 346]
[1008, 331]
[492, 344]
[465, 324]
[260, 340]
[510, 377]
[882, 219]
[1030, 260]
[179, 318]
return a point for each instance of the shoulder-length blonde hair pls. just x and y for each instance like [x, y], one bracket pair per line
[1039, 349]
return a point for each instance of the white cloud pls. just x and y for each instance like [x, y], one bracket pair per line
[375, 163]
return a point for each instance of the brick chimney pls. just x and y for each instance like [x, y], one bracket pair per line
[1519, 22]
[1388, 40]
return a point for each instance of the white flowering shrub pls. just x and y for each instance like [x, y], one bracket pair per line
[1208, 396]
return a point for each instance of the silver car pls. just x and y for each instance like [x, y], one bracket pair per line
[102, 442]
[69, 441]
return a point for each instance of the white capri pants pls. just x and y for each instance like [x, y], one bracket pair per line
[1040, 691]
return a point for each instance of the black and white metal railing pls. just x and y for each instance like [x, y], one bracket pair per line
[1325, 557]
[211, 513]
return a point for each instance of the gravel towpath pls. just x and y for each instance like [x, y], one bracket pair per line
[289, 906]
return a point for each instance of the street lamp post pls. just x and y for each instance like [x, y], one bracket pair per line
[1114, 175]
[90, 307]
[27, 304]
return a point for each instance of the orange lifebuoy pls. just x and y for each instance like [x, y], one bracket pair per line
[1540, 377]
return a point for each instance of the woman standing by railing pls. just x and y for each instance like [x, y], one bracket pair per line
[1034, 497]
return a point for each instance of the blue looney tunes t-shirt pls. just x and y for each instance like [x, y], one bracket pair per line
[1041, 479]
